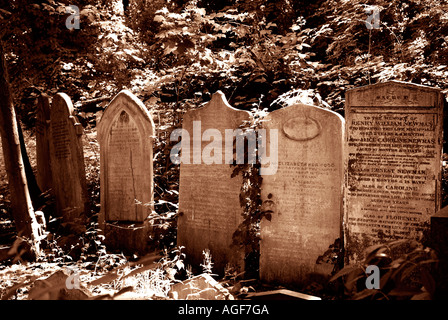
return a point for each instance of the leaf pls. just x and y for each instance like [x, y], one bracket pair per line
[422, 296]
[385, 278]
[365, 293]
[159, 18]
[263, 32]
[374, 252]
[170, 47]
[369, 250]
[180, 264]
[345, 271]
[404, 292]
[428, 281]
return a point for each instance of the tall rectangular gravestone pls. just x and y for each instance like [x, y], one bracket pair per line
[125, 134]
[67, 161]
[209, 205]
[393, 161]
[304, 196]
[43, 159]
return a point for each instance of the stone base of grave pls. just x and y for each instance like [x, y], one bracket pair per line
[127, 237]
[300, 276]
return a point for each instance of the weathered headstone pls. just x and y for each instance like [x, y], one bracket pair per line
[209, 205]
[67, 161]
[125, 134]
[304, 196]
[393, 161]
[43, 159]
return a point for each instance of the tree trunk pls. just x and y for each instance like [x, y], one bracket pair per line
[33, 187]
[125, 6]
[21, 206]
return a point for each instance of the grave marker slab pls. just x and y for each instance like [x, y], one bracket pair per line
[125, 134]
[209, 205]
[67, 160]
[393, 161]
[43, 158]
[304, 196]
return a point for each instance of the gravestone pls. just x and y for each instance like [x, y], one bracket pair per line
[43, 158]
[209, 205]
[125, 134]
[393, 161]
[67, 161]
[304, 196]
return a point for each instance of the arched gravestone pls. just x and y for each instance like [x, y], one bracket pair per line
[125, 134]
[209, 204]
[44, 177]
[393, 161]
[304, 196]
[67, 161]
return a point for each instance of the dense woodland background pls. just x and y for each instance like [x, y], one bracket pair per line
[173, 54]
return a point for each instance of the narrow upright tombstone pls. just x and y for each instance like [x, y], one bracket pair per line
[303, 199]
[125, 134]
[393, 161]
[67, 161]
[209, 205]
[43, 159]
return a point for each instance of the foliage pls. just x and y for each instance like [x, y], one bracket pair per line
[247, 235]
[207, 264]
[409, 45]
[235, 50]
[166, 189]
[405, 268]
[141, 18]
[174, 54]
[42, 50]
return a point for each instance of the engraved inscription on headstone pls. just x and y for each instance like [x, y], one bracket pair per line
[125, 133]
[67, 160]
[304, 196]
[209, 205]
[43, 158]
[393, 161]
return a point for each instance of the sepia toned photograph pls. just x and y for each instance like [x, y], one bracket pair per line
[180, 152]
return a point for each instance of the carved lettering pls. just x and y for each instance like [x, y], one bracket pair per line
[393, 161]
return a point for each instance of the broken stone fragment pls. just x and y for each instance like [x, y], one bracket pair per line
[58, 286]
[201, 287]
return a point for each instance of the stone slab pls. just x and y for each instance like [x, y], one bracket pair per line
[201, 287]
[209, 205]
[125, 134]
[393, 161]
[281, 294]
[67, 161]
[304, 196]
[43, 159]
